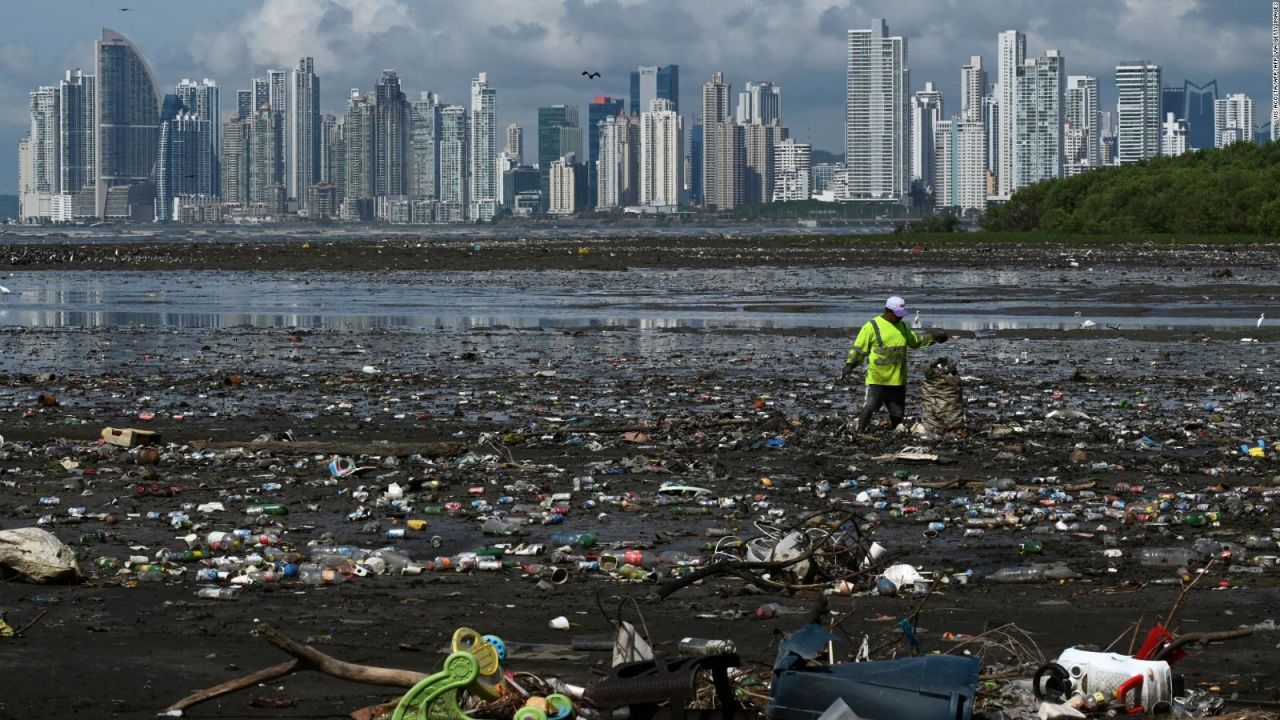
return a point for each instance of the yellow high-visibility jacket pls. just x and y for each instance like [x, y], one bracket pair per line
[886, 345]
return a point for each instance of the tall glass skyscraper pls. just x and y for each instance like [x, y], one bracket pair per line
[127, 120]
[650, 82]
[557, 130]
[599, 109]
[482, 186]
[877, 114]
[304, 130]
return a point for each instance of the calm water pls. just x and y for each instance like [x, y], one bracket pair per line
[752, 298]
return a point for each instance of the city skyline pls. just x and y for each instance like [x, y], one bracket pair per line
[535, 54]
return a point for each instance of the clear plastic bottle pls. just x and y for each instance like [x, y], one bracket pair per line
[574, 539]
[705, 646]
[1167, 557]
[218, 593]
[1018, 574]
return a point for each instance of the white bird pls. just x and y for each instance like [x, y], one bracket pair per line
[4, 290]
[915, 321]
[1088, 324]
[1261, 317]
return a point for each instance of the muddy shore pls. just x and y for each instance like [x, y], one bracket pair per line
[106, 648]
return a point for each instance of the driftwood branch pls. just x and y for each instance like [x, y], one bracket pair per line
[329, 665]
[305, 657]
[230, 686]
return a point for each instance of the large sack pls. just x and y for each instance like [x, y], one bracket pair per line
[943, 397]
[37, 556]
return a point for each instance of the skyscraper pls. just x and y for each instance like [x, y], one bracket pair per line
[557, 131]
[424, 146]
[973, 88]
[723, 148]
[1038, 132]
[1232, 120]
[661, 155]
[563, 176]
[482, 188]
[44, 145]
[185, 162]
[336, 165]
[127, 122]
[608, 166]
[453, 163]
[1082, 116]
[235, 173]
[76, 140]
[793, 168]
[760, 103]
[1012, 52]
[244, 103]
[695, 163]
[650, 82]
[1173, 135]
[960, 177]
[876, 115]
[359, 137]
[515, 143]
[600, 109]
[261, 95]
[203, 100]
[629, 157]
[758, 147]
[926, 112]
[28, 199]
[278, 96]
[391, 136]
[1138, 108]
[304, 130]
[262, 160]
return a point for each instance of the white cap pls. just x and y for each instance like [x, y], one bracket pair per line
[897, 305]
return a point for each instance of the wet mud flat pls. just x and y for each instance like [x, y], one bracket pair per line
[524, 412]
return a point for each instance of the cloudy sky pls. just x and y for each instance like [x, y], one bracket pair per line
[535, 50]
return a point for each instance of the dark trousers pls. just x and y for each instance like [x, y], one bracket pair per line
[893, 397]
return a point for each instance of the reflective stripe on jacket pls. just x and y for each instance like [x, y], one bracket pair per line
[886, 345]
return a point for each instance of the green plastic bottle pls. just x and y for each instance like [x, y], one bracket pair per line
[269, 509]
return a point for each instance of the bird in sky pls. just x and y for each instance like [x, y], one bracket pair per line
[125, 9]
[591, 75]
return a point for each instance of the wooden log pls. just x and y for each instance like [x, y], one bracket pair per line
[230, 686]
[329, 665]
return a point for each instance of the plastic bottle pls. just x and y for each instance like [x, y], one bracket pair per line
[1017, 574]
[1167, 557]
[574, 539]
[705, 647]
[268, 509]
[218, 593]
[501, 528]
[675, 557]
[768, 611]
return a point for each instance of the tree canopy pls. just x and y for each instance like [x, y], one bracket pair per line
[1233, 190]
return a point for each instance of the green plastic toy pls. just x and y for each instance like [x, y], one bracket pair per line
[436, 696]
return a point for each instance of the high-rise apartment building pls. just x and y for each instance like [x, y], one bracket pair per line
[1195, 104]
[305, 139]
[973, 88]
[1138, 111]
[759, 143]
[629, 158]
[235, 174]
[652, 82]
[360, 137]
[608, 164]
[76, 140]
[661, 155]
[723, 148]
[424, 147]
[1011, 54]
[1038, 113]
[45, 146]
[600, 109]
[1082, 119]
[558, 135]
[926, 112]
[185, 162]
[792, 171]
[515, 143]
[482, 186]
[961, 173]
[563, 176]
[1173, 135]
[876, 115]
[760, 103]
[127, 122]
[263, 160]
[391, 136]
[453, 162]
[244, 103]
[336, 157]
[203, 100]
[1232, 120]
[261, 95]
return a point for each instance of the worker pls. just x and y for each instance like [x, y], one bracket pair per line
[884, 341]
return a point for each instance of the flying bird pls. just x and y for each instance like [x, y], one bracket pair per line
[4, 290]
[591, 75]
[125, 9]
